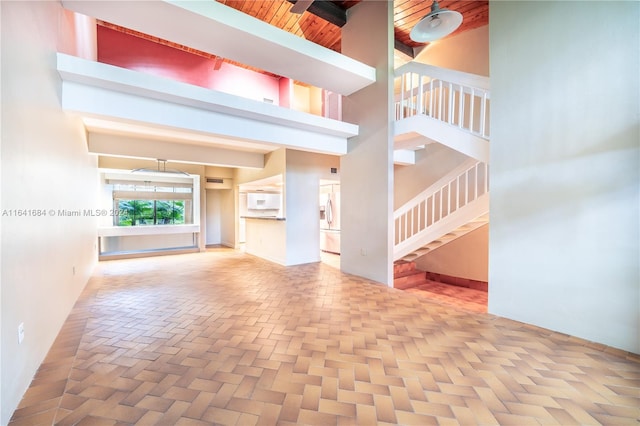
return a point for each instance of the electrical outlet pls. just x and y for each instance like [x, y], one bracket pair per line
[363, 252]
[21, 332]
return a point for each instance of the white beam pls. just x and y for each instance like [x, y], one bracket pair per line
[404, 157]
[98, 90]
[123, 146]
[91, 73]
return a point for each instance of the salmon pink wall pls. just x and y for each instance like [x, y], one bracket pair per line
[128, 51]
[77, 35]
[286, 92]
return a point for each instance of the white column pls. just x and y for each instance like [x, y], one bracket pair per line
[367, 168]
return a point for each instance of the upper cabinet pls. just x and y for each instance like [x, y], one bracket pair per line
[263, 201]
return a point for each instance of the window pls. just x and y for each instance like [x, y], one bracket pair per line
[152, 203]
[150, 212]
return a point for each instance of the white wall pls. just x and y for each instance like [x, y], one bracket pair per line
[225, 223]
[564, 238]
[228, 218]
[432, 163]
[304, 171]
[464, 257]
[214, 216]
[467, 52]
[367, 169]
[274, 164]
[133, 243]
[45, 165]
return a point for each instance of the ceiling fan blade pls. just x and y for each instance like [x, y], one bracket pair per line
[300, 6]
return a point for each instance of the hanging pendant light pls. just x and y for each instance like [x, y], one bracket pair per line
[437, 24]
[162, 168]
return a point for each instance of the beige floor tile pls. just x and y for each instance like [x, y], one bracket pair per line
[226, 338]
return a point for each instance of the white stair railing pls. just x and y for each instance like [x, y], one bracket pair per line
[440, 204]
[457, 98]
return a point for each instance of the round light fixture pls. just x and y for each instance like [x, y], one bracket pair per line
[437, 24]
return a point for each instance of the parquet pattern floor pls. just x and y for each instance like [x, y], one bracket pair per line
[225, 338]
[460, 297]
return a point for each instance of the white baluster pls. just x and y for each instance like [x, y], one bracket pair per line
[449, 199]
[457, 193]
[483, 108]
[433, 209]
[466, 187]
[440, 95]
[486, 179]
[475, 187]
[402, 80]
[414, 95]
[431, 97]
[420, 96]
[450, 97]
[473, 101]
[461, 110]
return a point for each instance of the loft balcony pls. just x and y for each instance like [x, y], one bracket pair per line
[138, 107]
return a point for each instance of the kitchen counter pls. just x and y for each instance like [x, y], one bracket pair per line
[266, 237]
[263, 217]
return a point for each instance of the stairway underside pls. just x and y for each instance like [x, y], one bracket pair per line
[412, 132]
[448, 237]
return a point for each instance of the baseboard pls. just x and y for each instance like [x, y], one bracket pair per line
[146, 253]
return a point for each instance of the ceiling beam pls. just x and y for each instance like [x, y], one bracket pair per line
[407, 50]
[328, 11]
[300, 6]
[336, 15]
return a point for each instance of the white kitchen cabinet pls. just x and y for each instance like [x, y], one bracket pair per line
[263, 201]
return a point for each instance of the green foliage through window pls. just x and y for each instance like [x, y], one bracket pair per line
[150, 212]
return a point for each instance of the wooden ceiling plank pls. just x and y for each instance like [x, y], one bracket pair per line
[266, 6]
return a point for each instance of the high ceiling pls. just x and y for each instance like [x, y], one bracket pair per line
[314, 24]
[321, 21]
[320, 24]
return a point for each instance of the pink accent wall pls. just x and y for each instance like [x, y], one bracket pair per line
[286, 92]
[77, 35]
[131, 52]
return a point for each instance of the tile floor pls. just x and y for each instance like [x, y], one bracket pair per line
[461, 297]
[225, 338]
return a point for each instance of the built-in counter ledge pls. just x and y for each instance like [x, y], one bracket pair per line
[119, 231]
[263, 217]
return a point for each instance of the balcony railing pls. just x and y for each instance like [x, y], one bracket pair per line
[457, 98]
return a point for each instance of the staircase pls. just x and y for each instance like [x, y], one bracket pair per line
[405, 275]
[445, 106]
[436, 105]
